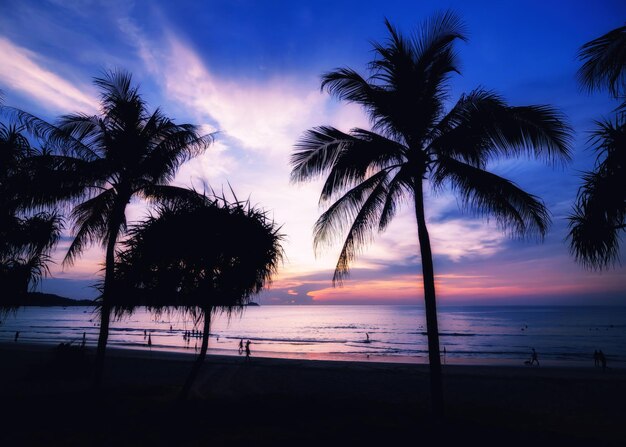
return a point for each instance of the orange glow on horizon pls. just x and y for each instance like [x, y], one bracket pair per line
[450, 288]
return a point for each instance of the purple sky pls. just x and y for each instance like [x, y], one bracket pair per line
[252, 69]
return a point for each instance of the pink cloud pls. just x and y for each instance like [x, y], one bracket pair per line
[24, 71]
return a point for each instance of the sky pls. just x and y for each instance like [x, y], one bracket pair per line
[250, 70]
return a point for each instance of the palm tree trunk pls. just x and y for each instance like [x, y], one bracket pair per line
[432, 328]
[184, 393]
[105, 310]
[109, 275]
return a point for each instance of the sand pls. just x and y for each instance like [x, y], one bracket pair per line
[47, 400]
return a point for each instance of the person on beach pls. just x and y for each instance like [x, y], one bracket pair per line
[248, 351]
[602, 359]
[534, 358]
[17, 335]
[84, 340]
[240, 346]
[150, 342]
[368, 337]
[596, 358]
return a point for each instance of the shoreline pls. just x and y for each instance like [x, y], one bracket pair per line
[189, 354]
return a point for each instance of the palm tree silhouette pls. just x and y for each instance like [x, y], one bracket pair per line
[599, 215]
[27, 233]
[123, 153]
[201, 256]
[415, 141]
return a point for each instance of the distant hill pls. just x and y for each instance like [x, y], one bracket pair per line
[50, 299]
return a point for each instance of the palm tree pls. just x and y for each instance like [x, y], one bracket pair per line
[27, 233]
[415, 141]
[123, 153]
[599, 216]
[201, 257]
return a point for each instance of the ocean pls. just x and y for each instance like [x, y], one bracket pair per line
[486, 334]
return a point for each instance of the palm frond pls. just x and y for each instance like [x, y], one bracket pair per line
[482, 126]
[399, 190]
[89, 130]
[170, 145]
[91, 219]
[357, 211]
[349, 158]
[486, 193]
[599, 216]
[594, 233]
[316, 152]
[169, 196]
[49, 134]
[604, 59]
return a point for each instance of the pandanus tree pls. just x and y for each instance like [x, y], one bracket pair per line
[27, 232]
[417, 141]
[599, 217]
[123, 153]
[201, 256]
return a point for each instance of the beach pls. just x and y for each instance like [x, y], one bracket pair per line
[48, 400]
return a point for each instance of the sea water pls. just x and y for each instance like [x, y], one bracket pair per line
[367, 332]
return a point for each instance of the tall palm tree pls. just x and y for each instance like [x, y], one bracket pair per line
[27, 233]
[125, 152]
[599, 217]
[415, 141]
[201, 257]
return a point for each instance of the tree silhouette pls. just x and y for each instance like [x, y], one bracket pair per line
[201, 256]
[415, 141]
[125, 152]
[27, 233]
[598, 219]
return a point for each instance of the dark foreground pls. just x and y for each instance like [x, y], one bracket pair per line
[46, 400]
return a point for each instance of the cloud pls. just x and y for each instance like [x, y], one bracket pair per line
[25, 71]
[265, 116]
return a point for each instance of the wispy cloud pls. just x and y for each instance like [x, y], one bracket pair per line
[26, 72]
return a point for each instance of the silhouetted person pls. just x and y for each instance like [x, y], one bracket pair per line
[367, 335]
[602, 359]
[533, 358]
[17, 335]
[84, 340]
[240, 346]
[248, 350]
[171, 328]
[145, 334]
[596, 358]
[150, 342]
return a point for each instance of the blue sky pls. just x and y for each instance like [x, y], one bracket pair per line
[251, 70]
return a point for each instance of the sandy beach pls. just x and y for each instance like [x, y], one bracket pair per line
[47, 400]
